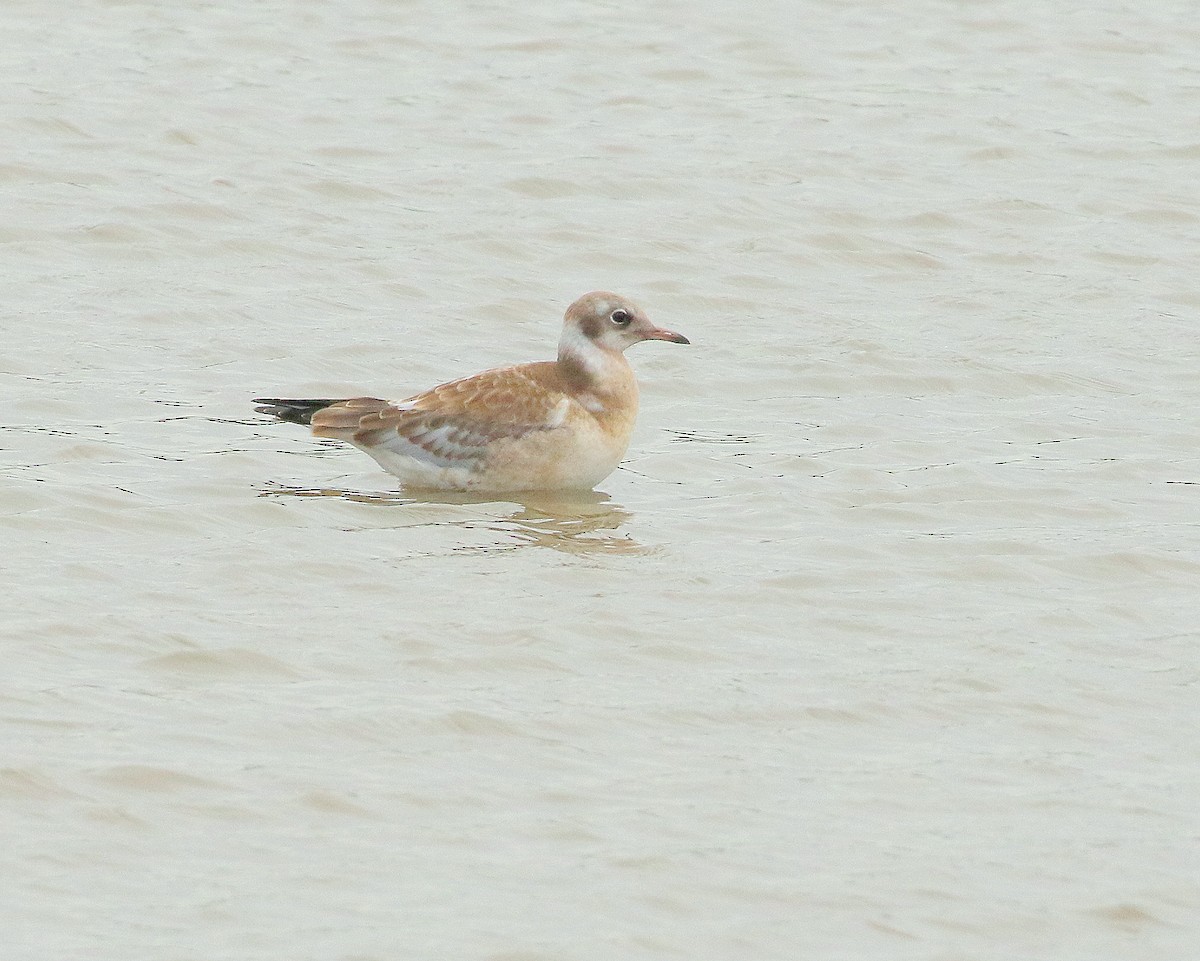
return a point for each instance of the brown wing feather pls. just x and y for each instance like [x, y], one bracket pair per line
[345, 416]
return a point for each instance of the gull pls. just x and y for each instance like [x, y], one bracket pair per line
[562, 424]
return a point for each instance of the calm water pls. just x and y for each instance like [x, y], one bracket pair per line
[881, 644]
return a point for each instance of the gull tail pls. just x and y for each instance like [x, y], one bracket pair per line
[293, 411]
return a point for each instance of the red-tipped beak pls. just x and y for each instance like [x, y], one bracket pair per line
[658, 333]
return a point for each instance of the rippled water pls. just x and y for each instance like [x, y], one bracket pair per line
[881, 644]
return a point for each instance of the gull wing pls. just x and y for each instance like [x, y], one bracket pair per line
[453, 425]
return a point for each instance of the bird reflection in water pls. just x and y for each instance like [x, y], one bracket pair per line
[571, 522]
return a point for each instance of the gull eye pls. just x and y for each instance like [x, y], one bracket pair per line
[620, 317]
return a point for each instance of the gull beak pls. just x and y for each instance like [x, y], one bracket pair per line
[658, 333]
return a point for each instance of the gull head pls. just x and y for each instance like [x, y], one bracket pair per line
[611, 323]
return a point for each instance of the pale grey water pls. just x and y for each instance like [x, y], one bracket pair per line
[881, 645]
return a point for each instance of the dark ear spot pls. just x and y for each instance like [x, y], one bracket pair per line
[592, 326]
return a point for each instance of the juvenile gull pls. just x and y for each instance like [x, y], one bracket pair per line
[552, 425]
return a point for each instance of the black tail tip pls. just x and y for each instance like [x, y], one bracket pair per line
[291, 411]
